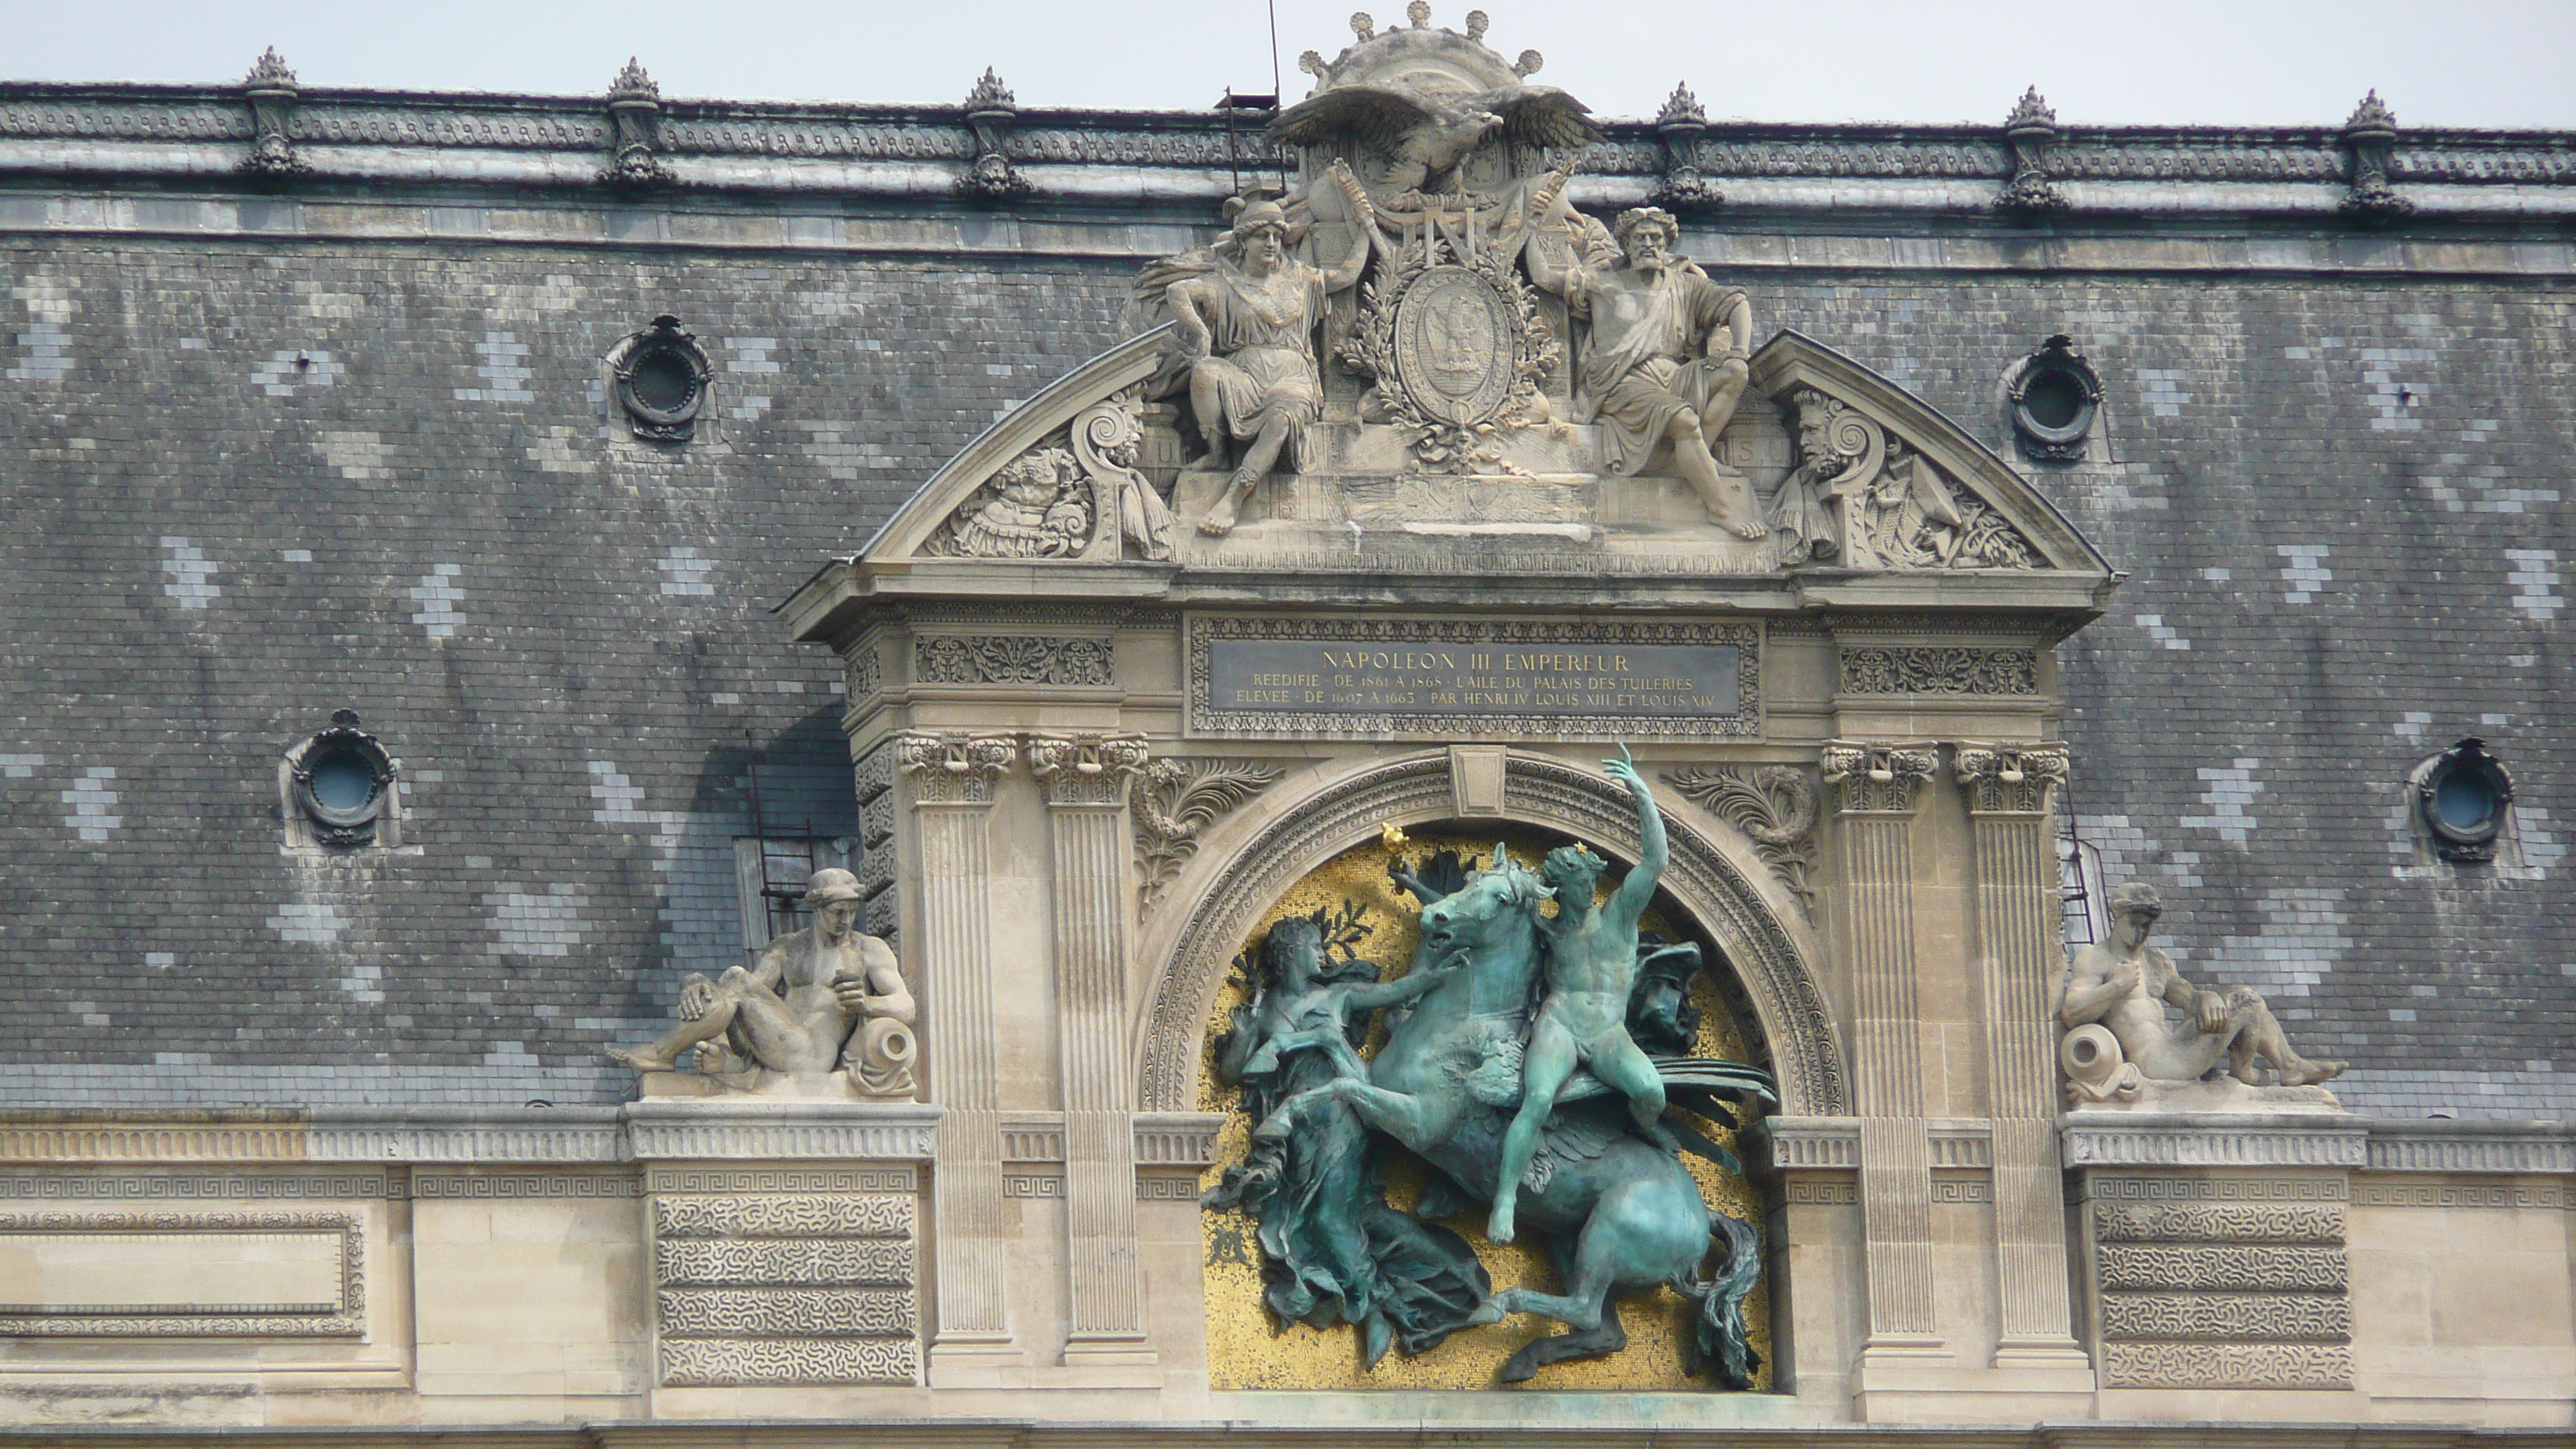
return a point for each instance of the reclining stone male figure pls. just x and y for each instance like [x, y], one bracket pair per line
[2126, 984]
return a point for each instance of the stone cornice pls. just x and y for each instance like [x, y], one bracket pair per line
[2122, 1139]
[1528, 1427]
[565, 141]
[2449, 1146]
[496, 1137]
[761, 1129]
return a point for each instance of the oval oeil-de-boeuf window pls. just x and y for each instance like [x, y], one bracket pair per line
[344, 782]
[2465, 801]
[664, 381]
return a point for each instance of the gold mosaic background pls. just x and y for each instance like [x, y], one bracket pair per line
[1248, 1350]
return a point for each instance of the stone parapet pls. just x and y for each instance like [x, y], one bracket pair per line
[525, 141]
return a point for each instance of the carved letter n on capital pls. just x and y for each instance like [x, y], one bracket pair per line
[2010, 779]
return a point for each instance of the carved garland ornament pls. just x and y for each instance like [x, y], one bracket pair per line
[1175, 799]
[1776, 806]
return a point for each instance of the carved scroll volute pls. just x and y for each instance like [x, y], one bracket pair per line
[1776, 806]
[1878, 779]
[953, 767]
[2010, 779]
[1085, 769]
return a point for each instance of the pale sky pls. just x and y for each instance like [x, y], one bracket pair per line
[2103, 62]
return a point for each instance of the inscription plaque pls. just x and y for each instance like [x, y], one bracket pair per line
[1442, 677]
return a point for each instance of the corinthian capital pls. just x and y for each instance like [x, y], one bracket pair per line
[1876, 778]
[953, 767]
[2010, 779]
[1085, 769]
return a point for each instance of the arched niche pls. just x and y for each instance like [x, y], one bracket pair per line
[1713, 888]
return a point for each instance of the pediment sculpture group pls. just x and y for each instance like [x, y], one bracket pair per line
[1432, 192]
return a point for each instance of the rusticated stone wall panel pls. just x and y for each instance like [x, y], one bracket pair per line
[719, 1361]
[799, 1288]
[788, 1312]
[2228, 1317]
[2218, 1282]
[2228, 1365]
[2168, 1266]
[793, 1261]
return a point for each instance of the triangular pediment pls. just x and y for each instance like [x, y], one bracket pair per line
[1898, 486]
[1082, 476]
[1077, 441]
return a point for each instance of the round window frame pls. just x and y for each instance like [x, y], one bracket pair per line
[2057, 358]
[344, 740]
[663, 339]
[2468, 758]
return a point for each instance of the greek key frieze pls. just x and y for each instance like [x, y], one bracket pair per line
[2215, 1223]
[2225, 1189]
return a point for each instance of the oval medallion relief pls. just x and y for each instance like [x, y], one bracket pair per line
[1453, 345]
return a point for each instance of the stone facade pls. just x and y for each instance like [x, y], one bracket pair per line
[334, 401]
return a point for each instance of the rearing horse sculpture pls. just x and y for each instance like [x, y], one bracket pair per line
[1618, 1213]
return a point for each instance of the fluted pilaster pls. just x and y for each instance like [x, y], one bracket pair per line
[2009, 791]
[1878, 786]
[948, 778]
[1085, 779]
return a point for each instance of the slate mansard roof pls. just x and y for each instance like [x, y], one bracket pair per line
[329, 433]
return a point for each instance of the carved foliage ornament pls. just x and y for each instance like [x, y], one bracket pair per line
[270, 88]
[1878, 777]
[990, 111]
[635, 121]
[2010, 778]
[1011, 659]
[1776, 806]
[1175, 799]
[2029, 133]
[2371, 138]
[1939, 669]
[953, 767]
[1085, 769]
